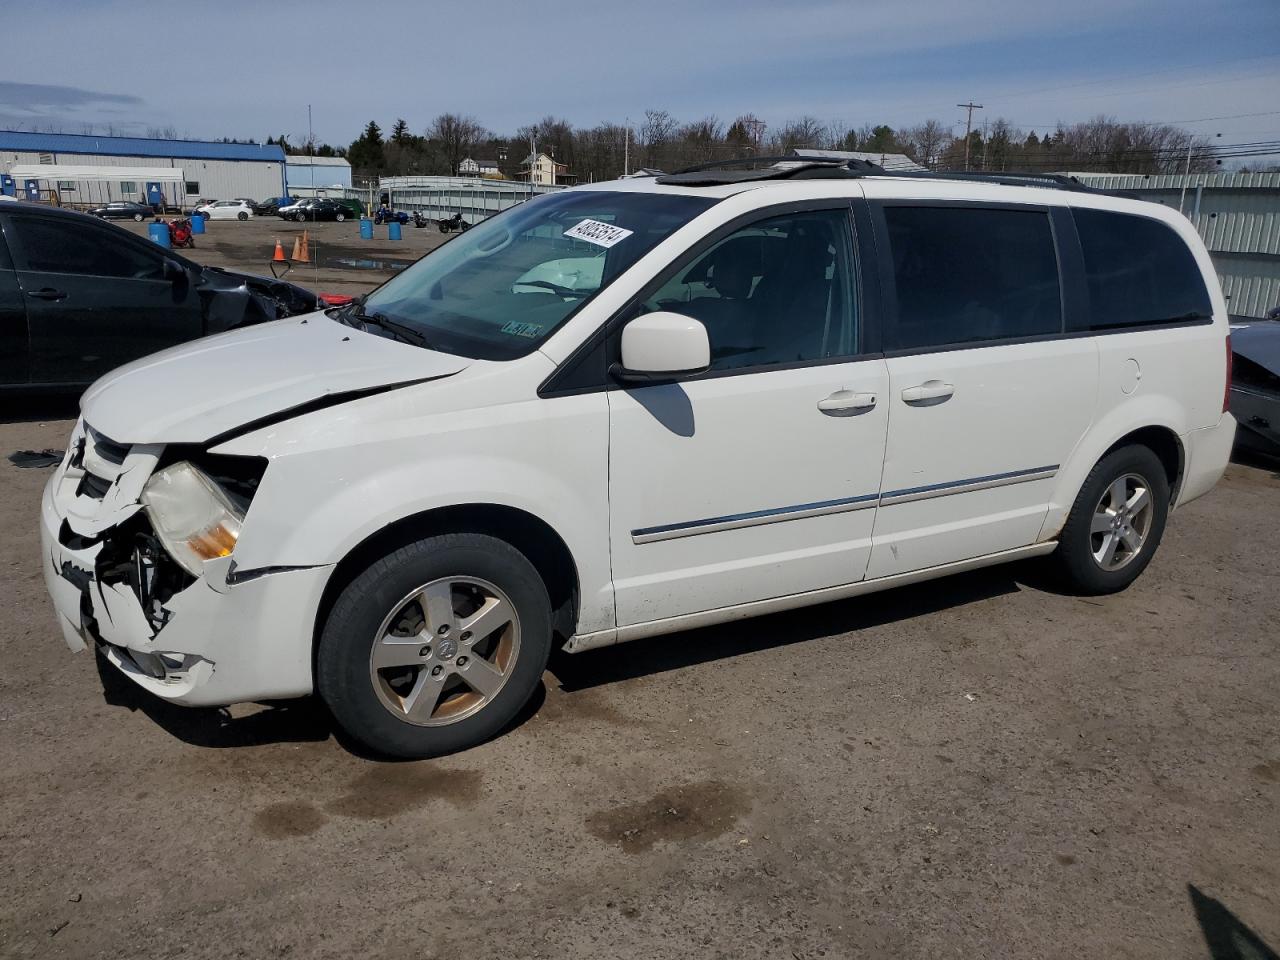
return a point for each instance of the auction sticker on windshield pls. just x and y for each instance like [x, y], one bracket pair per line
[601, 234]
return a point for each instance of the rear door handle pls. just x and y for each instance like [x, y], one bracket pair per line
[47, 293]
[928, 393]
[847, 403]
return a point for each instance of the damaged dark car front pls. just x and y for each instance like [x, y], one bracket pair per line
[80, 297]
[1255, 383]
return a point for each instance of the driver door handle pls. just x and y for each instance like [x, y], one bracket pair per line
[847, 403]
[47, 293]
[928, 393]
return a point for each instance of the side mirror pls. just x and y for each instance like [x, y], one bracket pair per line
[661, 346]
[172, 270]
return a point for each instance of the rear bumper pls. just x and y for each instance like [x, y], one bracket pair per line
[1207, 452]
[221, 643]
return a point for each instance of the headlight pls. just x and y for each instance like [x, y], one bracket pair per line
[193, 517]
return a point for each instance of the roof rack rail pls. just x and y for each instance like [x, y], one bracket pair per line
[1009, 178]
[718, 172]
[778, 168]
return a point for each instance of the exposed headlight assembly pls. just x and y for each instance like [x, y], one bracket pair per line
[192, 515]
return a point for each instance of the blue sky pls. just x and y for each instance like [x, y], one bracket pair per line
[249, 69]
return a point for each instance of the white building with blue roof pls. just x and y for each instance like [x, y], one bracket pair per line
[85, 170]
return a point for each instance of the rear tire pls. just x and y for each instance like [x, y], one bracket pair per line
[242, 215]
[404, 676]
[137, 218]
[1116, 523]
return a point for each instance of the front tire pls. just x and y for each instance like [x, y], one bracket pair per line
[435, 647]
[339, 217]
[1116, 523]
[300, 217]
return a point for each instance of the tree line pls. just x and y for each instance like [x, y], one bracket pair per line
[660, 141]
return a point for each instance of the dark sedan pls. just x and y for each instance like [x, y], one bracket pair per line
[123, 210]
[323, 208]
[79, 297]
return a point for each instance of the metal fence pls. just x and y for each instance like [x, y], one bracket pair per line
[441, 197]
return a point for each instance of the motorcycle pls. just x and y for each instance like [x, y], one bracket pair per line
[453, 223]
[387, 216]
[419, 220]
[180, 233]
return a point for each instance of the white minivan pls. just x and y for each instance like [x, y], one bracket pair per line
[633, 408]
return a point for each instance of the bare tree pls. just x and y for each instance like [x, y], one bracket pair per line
[453, 136]
[926, 142]
[655, 134]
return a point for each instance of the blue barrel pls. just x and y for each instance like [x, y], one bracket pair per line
[366, 228]
[393, 230]
[159, 232]
[197, 224]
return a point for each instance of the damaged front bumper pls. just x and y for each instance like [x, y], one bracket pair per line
[200, 641]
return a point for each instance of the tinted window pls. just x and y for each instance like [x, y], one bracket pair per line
[60, 246]
[965, 274]
[778, 291]
[1139, 271]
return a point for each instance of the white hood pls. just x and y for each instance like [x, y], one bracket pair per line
[197, 391]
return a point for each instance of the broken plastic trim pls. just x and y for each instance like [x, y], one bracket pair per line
[235, 576]
[311, 406]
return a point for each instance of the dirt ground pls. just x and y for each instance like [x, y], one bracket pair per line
[340, 261]
[980, 767]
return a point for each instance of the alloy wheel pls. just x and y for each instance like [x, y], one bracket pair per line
[1121, 522]
[445, 651]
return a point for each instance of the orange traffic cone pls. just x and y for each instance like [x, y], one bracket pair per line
[278, 256]
[297, 248]
[305, 253]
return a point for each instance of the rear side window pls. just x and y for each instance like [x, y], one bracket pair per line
[1139, 271]
[971, 274]
[62, 246]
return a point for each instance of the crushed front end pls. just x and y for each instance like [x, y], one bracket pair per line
[191, 630]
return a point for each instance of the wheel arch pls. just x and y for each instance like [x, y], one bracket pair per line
[1166, 445]
[1157, 434]
[544, 547]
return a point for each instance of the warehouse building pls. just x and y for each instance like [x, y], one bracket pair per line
[1237, 215]
[317, 176]
[84, 170]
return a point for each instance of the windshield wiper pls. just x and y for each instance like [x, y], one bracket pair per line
[408, 334]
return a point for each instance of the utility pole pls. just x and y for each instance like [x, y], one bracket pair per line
[968, 126]
[626, 149]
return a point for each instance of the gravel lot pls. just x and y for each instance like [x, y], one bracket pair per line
[340, 261]
[980, 767]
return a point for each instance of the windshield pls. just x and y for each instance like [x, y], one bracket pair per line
[500, 289]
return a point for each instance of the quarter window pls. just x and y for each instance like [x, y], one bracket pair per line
[966, 274]
[1139, 271]
[778, 291]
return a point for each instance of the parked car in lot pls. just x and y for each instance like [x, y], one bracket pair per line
[633, 408]
[226, 210]
[123, 210]
[79, 297]
[317, 208]
[1255, 383]
[268, 207]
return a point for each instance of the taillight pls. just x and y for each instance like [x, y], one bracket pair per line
[1226, 391]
